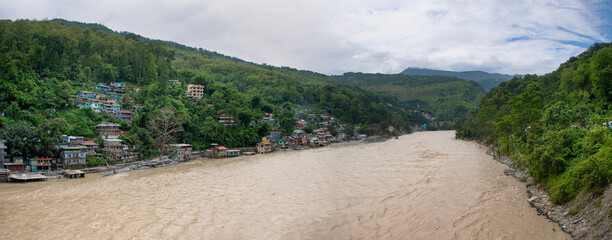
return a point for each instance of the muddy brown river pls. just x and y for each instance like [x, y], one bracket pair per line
[421, 186]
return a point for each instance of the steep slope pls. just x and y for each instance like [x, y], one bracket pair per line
[555, 125]
[448, 98]
[44, 63]
[487, 80]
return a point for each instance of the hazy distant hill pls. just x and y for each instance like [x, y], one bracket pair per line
[448, 98]
[487, 80]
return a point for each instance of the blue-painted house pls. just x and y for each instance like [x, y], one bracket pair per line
[86, 94]
[125, 116]
[113, 95]
[83, 104]
[104, 88]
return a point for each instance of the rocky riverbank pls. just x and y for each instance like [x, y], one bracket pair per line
[155, 163]
[586, 217]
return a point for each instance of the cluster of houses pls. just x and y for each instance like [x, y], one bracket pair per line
[107, 100]
[299, 139]
[74, 150]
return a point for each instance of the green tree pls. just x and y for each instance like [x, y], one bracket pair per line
[286, 122]
[50, 132]
[20, 139]
[108, 73]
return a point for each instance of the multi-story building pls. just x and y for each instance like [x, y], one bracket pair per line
[179, 152]
[92, 148]
[113, 145]
[76, 155]
[40, 164]
[264, 147]
[125, 116]
[227, 120]
[195, 91]
[108, 129]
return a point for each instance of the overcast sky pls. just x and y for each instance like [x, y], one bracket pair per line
[333, 37]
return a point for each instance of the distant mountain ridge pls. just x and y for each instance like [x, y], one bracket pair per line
[448, 98]
[487, 80]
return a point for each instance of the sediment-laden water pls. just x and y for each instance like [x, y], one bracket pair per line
[421, 186]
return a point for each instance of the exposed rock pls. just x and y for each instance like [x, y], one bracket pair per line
[376, 138]
[163, 162]
[586, 217]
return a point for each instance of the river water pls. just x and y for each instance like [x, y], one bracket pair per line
[421, 186]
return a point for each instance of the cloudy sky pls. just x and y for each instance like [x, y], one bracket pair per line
[333, 37]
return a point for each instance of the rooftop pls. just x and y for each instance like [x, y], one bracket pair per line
[73, 148]
[108, 125]
[181, 145]
[89, 143]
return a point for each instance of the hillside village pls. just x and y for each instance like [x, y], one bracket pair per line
[76, 152]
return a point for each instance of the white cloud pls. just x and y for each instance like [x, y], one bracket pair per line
[333, 37]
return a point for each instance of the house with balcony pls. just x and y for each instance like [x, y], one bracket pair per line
[195, 91]
[76, 155]
[40, 164]
[125, 116]
[108, 129]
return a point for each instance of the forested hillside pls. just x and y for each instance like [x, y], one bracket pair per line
[44, 63]
[447, 98]
[487, 80]
[555, 125]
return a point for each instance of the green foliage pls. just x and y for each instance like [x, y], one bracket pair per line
[487, 80]
[95, 161]
[552, 124]
[43, 63]
[20, 139]
[365, 129]
[448, 98]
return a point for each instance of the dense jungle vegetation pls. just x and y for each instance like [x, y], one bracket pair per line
[555, 125]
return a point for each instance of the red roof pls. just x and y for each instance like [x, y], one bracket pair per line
[221, 148]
